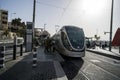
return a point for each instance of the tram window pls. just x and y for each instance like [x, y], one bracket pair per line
[76, 37]
[65, 40]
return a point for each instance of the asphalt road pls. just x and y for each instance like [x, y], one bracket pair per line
[91, 67]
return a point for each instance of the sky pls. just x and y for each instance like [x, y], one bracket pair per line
[91, 15]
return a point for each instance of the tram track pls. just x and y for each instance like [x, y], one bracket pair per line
[72, 71]
[88, 70]
[103, 70]
[105, 63]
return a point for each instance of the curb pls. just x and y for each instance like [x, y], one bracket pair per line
[104, 54]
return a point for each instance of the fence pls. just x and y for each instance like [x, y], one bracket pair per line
[12, 51]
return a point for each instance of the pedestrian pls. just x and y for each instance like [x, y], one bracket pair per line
[47, 45]
[53, 45]
[100, 44]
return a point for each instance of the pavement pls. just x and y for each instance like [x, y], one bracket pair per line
[48, 67]
[114, 53]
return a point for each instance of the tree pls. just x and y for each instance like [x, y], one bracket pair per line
[5, 32]
[97, 37]
[19, 27]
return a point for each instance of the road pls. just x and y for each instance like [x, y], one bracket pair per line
[91, 67]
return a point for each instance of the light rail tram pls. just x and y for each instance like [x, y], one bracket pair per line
[70, 41]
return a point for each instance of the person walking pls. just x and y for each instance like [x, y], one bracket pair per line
[53, 45]
[46, 45]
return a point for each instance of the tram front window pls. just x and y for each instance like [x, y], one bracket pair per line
[65, 41]
[76, 37]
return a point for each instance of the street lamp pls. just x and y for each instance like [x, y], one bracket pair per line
[11, 16]
[57, 26]
[44, 26]
[11, 20]
[106, 32]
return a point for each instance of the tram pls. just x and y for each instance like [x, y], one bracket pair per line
[70, 41]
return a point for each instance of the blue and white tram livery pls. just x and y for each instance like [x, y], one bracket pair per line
[70, 41]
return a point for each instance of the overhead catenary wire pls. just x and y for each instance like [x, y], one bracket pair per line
[64, 11]
[51, 5]
[63, 8]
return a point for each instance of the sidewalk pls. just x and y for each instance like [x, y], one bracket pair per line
[105, 52]
[48, 67]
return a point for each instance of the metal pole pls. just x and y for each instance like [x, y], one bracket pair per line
[33, 45]
[21, 49]
[34, 7]
[2, 52]
[57, 26]
[34, 57]
[14, 52]
[44, 26]
[111, 24]
[11, 21]
[14, 47]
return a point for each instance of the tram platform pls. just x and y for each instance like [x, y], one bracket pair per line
[48, 67]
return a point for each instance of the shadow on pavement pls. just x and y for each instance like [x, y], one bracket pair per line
[23, 70]
[71, 66]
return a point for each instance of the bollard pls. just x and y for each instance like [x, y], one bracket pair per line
[14, 47]
[34, 57]
[21, 49]
[14, 52]
[2, 52]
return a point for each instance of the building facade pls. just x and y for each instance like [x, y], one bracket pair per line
[116, 39]
[3, 19]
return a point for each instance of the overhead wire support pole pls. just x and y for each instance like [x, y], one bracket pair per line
[34, 49]
[34, 7]
[111, 24]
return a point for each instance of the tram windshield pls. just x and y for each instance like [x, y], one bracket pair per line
[76, 37]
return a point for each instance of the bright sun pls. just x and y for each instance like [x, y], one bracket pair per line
[93, 7]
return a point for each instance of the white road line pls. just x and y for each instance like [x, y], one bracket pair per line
[104, 70]
[82, 71]
[111, 62]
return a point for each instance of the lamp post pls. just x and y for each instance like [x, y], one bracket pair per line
[111, 24]
[11, 20]
[57, 26]
[44, 26]
[106, 32]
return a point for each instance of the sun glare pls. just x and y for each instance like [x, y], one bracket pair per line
[93, 7]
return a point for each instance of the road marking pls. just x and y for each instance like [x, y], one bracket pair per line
[83, 70]
[117, 62]
[103, 69]
[110, 62]
[84, 75]
[94, 60]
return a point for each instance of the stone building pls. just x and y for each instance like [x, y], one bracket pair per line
[3, 19]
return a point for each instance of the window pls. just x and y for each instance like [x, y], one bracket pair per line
[65, 41]
[4, 18]
[4, 22]
[5, 13]
[76, 37]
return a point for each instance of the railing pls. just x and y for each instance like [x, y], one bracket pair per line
[12, 51]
